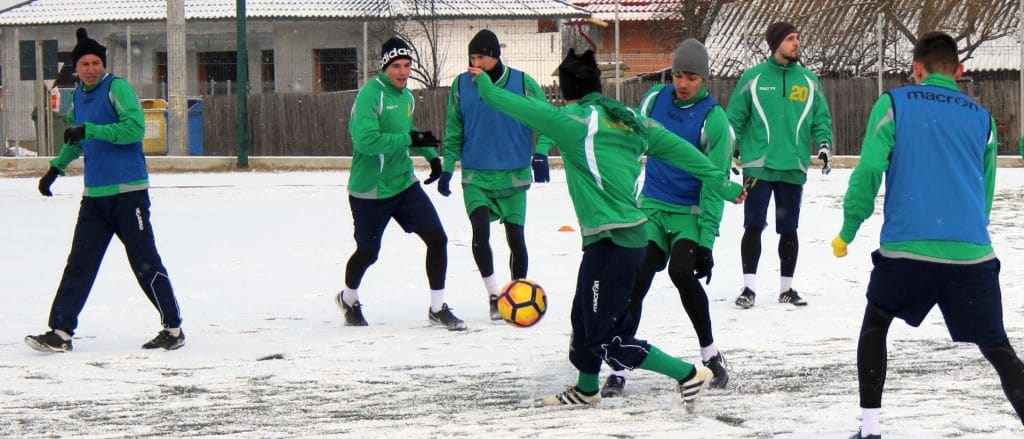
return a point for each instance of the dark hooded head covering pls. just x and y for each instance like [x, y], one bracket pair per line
[87, 46]
[776, 33]
[394, 48]
[485, 42]
[579, 75]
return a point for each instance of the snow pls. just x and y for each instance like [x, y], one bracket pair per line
[256, 258]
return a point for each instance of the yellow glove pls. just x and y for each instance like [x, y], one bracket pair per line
[839, 247]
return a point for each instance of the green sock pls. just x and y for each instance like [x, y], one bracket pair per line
[588, 383]
[665, 364]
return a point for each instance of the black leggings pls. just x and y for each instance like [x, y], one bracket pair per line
[750, 251]
[871, 363]
[480, 219]
[680, 270]
[436, 260]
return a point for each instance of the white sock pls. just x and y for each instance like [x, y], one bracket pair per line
[174, 331]
[491, 284]
[750, 281]
[785, 284]
[62, 334]
[350, 296]
[619, 373]
[872, 421]
[436, 300]
[706, 352]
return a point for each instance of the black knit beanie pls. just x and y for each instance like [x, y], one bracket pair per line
[485, 42]
[87, 46]
[579, 75]
[394, 48]
[776, 33]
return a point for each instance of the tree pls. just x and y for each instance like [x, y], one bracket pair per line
[840, 37]
[421, 29]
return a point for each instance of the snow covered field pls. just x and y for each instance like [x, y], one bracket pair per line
[256, 258]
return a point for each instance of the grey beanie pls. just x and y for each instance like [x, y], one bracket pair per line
[691, 56]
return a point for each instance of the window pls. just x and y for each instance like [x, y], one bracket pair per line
[160, 59]
[66, 77]
[547, 26]
[217, 72]
[267, 70]
[335, 69]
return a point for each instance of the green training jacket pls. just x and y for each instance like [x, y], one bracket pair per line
[866, 179]
[716, 140]
[492, 180]
[780, 114]
[379, 124]
[130, 128]
[602, 160]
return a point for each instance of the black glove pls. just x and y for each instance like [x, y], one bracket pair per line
[74, 134]
[47, 180]
[825, 155]
[423, 138]
[702, 266]
[435, 170]
[444, 185]
[541, 173]
[736, 162]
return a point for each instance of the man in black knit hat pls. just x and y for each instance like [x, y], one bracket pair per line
[602, 141]
[779, 113]
[496, 154]
[382, 185]
[107, 126]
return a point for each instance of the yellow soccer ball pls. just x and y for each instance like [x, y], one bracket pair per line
[522, 303]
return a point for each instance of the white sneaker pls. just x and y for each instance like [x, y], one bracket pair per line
[693, 387]
[571, 396]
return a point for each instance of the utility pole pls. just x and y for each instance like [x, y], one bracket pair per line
[242, 78]
[177, 118]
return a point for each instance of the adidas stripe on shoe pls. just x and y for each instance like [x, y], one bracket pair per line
[691, 389]
[571, 396]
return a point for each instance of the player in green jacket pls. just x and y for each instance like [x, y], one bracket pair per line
[683, 217]
[779, 112]
[496, 154]
[106, 125]
[601, 142]
[382, 185]
[937, 149]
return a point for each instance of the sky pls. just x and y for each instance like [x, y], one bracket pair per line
[256, 259]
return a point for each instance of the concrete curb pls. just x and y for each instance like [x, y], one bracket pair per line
[35, 166]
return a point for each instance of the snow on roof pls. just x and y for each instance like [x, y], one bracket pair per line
[77, 11]
[636, 10]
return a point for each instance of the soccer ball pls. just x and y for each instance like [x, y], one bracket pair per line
[522, 303]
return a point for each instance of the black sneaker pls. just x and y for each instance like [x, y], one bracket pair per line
[165, 340]
[445, 318]
[746, 299]
[353, 314]
[613, 386]
[495, 315]
[717, 366]
[790, 296]
[860, 435]
[48, 342]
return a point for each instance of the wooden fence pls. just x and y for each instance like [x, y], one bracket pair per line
[317, 124]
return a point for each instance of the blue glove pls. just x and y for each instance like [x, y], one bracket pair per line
[444, 184]
[540, 168]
